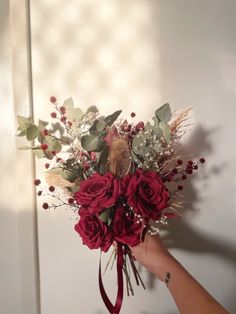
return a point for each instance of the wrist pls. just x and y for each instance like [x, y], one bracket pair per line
[165, 266]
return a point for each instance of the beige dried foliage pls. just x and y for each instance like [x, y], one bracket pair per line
[57, 180]
[179, 119]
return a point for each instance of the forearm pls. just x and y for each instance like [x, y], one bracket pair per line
[190, 297]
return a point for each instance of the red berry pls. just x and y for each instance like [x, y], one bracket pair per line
[51, 188]
[133, 114]
[63, 119]
[180, 187]
[86, 167]
[127, 128]
[179, 162]
[37, 182]
[53, 99]
[62, 110]
[195, 167]
[44, 146]
[71, 201]
[190, 162]
[189, 171]
[69, 123]
[184, 177]
[45, 205]
[40, 193]
[53, 115]
[175, 170]
[202, 160]
[54, 152]
[45, 132]
[171, 175]
[47, 165]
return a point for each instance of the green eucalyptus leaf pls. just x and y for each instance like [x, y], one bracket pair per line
[74, 115]
[22, 133]
[135, 158]
[32, 132]
[42, 125]
[41, 138]
[38, 152]
[148, 126]
[136, 144]
[23, 122]
[166, 133]
[163, 114]
[24, 147]
[65, 174]
[105, 216]
[103, 160]
[92, 143]
[48, 155]
[112, 118]
[73, 189]
[57, 146]
[53, 144]
[68, 103]
[69, 175]
[162, 125]
[102, 133]
[157, 130]
[98, 126]
[93, 109]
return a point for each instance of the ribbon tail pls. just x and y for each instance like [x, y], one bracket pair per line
[119, 299]
[120, 261]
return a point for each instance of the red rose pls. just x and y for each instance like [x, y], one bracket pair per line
[94, 232]
[127, 227]
[99, 192]
[147, 194]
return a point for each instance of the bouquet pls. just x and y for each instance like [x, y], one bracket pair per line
[121, 178]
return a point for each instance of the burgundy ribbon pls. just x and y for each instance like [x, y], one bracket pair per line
[114, 309]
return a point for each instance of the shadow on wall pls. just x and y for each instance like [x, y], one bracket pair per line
[180, 234]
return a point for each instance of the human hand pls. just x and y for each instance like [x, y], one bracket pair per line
[188, 294]
[153, 255]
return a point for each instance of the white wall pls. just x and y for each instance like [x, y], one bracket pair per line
[136, 55]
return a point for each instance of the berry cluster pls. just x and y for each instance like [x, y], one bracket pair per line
[182, 170]
[60, 113]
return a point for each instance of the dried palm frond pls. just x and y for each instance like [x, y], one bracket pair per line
[119, 157]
